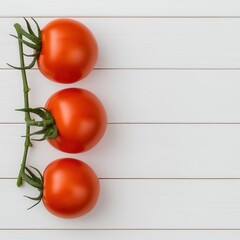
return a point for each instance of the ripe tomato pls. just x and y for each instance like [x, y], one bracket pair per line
[69, 51]
[70, 188]
[80, 119]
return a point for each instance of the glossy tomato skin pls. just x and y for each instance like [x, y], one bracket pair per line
[80, 119]
[70, 189]
[69, 51]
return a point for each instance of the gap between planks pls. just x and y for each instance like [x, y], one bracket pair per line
[100, 17]
[120, 229]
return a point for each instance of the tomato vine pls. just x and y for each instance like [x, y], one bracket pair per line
[47, 124]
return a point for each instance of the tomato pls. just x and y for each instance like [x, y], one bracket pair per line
[70, 188]
[69, 51]
[80, 119]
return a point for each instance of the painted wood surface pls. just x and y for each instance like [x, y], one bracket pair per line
[168, 75]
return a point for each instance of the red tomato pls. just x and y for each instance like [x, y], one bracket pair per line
[80, 119]
[69, 51]
[70, 189]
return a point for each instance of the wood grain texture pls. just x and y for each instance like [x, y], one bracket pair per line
[138, 96]
[135, 204]
[151, 42]
[140, 151]
[121, 8]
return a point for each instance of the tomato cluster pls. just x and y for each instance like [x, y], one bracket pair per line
[73, 120]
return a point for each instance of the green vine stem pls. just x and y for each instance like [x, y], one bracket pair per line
[26, 90]
[47, 124]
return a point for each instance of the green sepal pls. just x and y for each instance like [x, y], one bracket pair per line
[33, 204]
[40, 111]
[31, 45]
[42, 131]
[33, 176]
[38, 199]
[31, 55]
[31, 65]
[29, 28]
[38, 183]
[41, 176]
[31, 181]
[49, 129]
[29, 36]
[38, 28]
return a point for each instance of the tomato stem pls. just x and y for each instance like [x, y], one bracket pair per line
[26, 90]
[49, 129]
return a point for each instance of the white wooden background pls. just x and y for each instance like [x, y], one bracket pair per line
[169, 76]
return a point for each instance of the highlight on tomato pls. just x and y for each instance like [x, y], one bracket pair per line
[69, 188]
[80, 119]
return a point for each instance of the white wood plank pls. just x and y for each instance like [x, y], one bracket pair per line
[119, 235]
[139, 96]
[140, 151]
[151, 42]
[121, 8]
[136, 204]
[169, 34]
